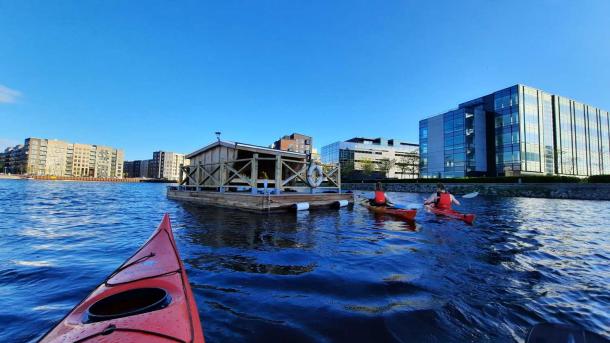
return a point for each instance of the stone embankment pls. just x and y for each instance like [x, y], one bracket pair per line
[581, 191]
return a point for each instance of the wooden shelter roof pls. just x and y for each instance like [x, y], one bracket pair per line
[248, 147]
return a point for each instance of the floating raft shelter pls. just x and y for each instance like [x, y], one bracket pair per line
[259, 179]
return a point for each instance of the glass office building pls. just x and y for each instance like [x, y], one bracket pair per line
[454, 144]
[514, 131]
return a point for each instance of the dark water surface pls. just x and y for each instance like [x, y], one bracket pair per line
[314, 277]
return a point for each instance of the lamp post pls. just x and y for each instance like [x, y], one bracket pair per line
[217, 135]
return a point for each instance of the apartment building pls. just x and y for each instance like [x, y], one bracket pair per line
[47, 157]
[295, 142]
[11, 160]
[136, 168]
[166, 165]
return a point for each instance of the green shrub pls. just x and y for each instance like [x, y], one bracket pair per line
[599, 179]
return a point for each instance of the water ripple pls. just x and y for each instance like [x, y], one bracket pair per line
[323, 276]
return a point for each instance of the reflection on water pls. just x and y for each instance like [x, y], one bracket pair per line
[328, 275]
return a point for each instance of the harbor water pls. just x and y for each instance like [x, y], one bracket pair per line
[319, 276]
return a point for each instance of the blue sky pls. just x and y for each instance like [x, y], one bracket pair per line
[150, 75]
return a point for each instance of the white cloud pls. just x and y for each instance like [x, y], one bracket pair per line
[8, 95]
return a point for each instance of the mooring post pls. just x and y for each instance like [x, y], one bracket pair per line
[278, 174]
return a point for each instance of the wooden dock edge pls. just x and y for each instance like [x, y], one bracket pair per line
[260, 203]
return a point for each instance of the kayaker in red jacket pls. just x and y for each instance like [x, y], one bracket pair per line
[380, 198]
[442, 198]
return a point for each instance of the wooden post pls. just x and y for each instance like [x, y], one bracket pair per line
[221, 177]
[198, 176]
[311, 189]
[254, 174]
[278, 174]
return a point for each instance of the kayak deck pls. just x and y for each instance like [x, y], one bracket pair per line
[467, 218]
[407, 214]
[147, 299]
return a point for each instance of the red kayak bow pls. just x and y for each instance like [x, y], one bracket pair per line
[147, 299]
[467, 218]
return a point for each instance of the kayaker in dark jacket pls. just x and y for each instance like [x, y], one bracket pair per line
[380, 198]
[442, 198]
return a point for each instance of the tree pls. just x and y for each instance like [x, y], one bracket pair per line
[368, 167]
[347, 168]
[407, 165]
[385, 165]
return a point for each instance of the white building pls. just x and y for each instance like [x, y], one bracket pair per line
[402, 158]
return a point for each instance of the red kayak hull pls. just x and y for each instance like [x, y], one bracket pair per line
[467, 218]
[407, 214]
[155, 266]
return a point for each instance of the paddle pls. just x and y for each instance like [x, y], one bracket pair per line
[470, 195]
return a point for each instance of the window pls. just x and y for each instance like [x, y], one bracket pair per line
[423, 132]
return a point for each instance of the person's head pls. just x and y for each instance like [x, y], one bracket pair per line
[440, 187]
[378, 186]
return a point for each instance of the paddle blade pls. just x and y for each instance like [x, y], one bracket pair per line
[470, 195]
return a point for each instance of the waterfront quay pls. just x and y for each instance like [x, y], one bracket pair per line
[587, 191]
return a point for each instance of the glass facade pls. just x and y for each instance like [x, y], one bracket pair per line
[593, 143]
[533, 132]
[330, 153]
[536, 131]
[454, 143]
[563, 119]
[423, 147]
[507, 130]
[455, 154]
[582, 139]
[548, 133]
[605, 141]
